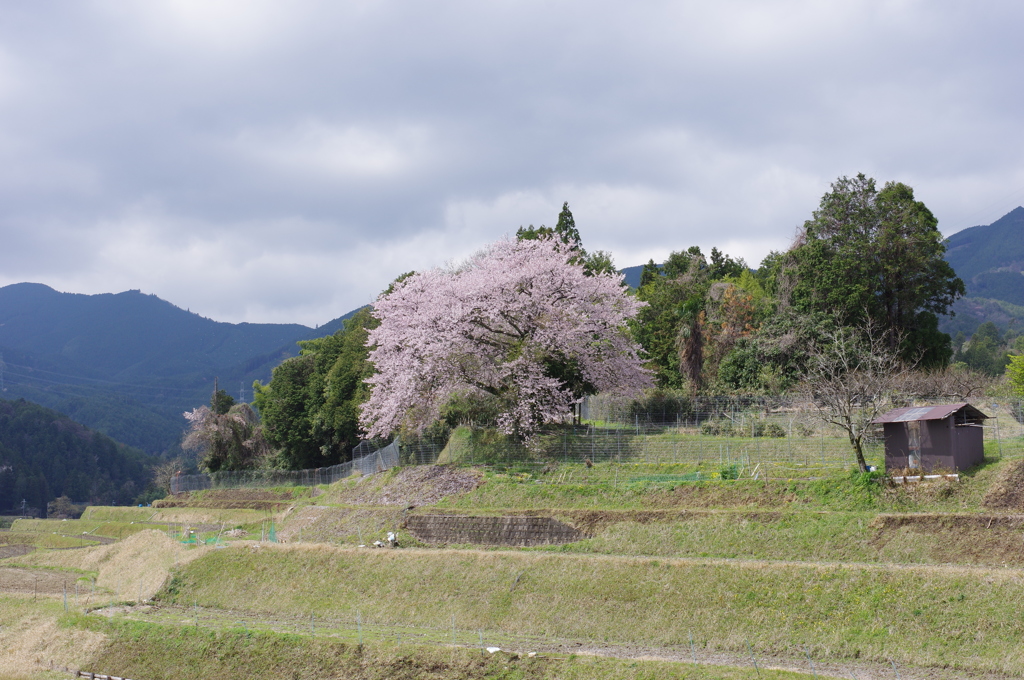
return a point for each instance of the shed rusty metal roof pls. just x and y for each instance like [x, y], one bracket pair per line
[903, 415]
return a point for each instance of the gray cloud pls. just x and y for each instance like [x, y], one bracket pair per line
[267, 161]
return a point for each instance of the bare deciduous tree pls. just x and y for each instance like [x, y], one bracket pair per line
[956, 382]
[851, 377]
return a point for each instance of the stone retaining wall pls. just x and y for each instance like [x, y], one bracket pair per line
[517, 531]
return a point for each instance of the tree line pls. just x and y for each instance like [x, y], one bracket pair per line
[518, 334]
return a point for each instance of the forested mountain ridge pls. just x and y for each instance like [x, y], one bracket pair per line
[44, 454]
[990, 260]
[128, 364]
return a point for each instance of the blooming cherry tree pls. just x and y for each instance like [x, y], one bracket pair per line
[495, 326]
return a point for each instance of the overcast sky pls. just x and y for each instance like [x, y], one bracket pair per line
[283, 161]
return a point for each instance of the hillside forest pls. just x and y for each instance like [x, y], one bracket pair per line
[45, 455]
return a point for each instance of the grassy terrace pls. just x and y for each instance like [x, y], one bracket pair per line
[82, 529]
[163, 651]
[955, 617]
[634, 486]
[43, 539]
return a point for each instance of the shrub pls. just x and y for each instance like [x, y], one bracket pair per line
[755, 428]
[661, 405]
[718, 428]
[730, 472]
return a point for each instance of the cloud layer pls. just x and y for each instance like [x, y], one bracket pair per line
[268, 161]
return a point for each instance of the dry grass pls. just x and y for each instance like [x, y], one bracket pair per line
[416, 485]
[187, 515]
[75, 528]
[31, 638]
[184, 653]
[354, 526]
[1007, 489]
[138, 564]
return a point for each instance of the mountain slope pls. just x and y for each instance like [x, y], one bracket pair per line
[44, 454]
[130, 364]
[990, 258]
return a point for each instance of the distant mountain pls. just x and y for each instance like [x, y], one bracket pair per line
[632, 275]
[129, 364]
[990, 260]
[44, 454]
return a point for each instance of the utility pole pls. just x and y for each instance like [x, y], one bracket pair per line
[241, 392]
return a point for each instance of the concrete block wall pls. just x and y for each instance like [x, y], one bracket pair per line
[512, 531]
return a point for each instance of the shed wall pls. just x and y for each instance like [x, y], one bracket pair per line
[943, 445]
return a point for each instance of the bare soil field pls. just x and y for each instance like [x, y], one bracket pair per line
[34, 581]
[14, 550]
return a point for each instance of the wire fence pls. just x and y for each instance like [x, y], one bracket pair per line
[376, 461]
[768, 415]
[737, 437]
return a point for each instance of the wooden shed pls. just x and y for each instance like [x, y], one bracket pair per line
[949, 436]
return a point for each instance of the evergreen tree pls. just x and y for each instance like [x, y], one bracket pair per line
[310, 407]
[870, 255]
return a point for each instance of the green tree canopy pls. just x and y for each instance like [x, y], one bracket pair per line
[696, 312]
[310, 407]
[986, 351]
[876, 254]
[1015, 372]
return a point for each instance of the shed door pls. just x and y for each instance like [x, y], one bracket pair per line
[914, 444]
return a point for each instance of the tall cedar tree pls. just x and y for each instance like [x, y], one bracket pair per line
[598, 262]
[877, 256]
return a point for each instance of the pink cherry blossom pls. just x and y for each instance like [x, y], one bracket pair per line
[487, 327]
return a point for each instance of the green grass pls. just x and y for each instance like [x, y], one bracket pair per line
[611, 486]
[146, 650]
[673, 445]
[924, 616]
[807, 536]
[43, 540]
[78, 527]
[100, 513]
